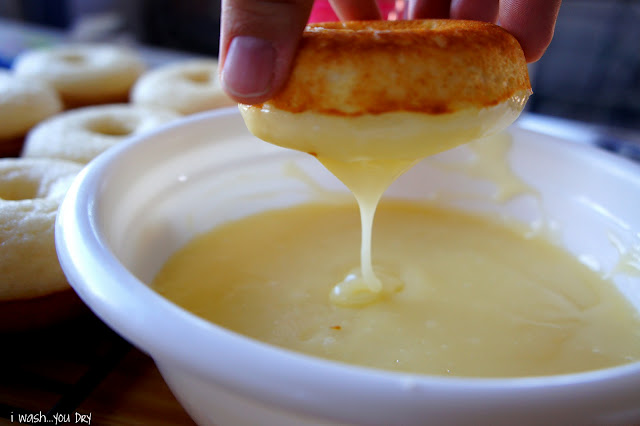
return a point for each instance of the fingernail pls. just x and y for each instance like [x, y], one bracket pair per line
[248, 67]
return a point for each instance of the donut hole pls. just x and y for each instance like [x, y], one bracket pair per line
[198, 76]
[72, 58]
[110, 126]
[19, 189]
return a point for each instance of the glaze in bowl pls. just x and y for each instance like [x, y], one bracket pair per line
[133, 206]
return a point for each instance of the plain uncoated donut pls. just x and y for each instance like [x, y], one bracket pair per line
[23, 103]
[82, 134]
[84, 74]
[187, 87]
[31, 191]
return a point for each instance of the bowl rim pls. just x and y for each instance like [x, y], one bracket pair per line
[129, 306]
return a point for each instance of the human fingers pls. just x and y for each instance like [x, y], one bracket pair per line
[434, 9]
[532, 22]
[353, 10]
[258, 40]
[479, 10]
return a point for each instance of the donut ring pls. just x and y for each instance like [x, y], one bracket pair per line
[379, 81]
[84, 74]
[428, 66]
[187, 87]
[23, 104]
[31, 191]
[82, 134]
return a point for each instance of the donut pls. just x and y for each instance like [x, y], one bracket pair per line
[394, 89]
[84, 74]
[187, 87]
[82, 134]
[31, 191]
[23, 103]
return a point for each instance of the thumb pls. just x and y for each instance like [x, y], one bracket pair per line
[258, 40]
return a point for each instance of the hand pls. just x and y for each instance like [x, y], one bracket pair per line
[530, 21]
[258, 38]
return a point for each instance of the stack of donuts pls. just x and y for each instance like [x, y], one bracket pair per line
[60, 108]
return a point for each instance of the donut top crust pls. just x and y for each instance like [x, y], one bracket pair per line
[427, 66]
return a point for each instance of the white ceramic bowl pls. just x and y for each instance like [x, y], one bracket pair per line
[137, 203]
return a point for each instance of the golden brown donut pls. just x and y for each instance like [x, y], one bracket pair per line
[382, 82]
[434, 67]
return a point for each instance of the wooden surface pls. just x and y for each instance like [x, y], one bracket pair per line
[82, 368]
[134, 394]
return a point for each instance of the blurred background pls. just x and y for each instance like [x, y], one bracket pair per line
[591, 72]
